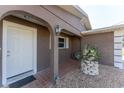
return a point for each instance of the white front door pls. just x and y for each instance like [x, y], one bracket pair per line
[20, 49]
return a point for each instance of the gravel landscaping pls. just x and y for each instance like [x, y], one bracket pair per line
[109, 77]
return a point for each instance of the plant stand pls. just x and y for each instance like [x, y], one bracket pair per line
[90, 67]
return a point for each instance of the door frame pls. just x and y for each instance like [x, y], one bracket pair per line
[4, 47]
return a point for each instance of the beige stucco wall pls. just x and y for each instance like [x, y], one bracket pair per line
[76, 44]
[105, 44]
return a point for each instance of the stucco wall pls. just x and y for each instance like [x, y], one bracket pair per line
[43, 51]
[105, 44]
[43, 13]
[66, 16]
[76, 44]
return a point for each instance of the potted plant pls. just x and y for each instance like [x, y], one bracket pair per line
[89, 58]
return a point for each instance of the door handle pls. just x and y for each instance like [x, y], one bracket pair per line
[8, 52]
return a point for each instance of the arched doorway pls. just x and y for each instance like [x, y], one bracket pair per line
[44, 31]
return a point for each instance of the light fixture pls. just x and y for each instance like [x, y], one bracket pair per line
[57, 29]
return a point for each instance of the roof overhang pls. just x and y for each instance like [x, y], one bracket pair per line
[103, 30]
[77, 11]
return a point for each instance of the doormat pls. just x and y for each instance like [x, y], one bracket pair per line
[22, 82]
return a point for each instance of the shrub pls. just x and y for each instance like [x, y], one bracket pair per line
[89, 53]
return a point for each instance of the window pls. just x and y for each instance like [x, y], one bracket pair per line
[63, 42]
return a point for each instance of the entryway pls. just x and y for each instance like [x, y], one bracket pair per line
[43, 77]
[19, 52]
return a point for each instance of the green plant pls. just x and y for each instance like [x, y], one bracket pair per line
[89, 53]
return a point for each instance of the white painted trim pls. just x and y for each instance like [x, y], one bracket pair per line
[61, 37]
[118, 46]
[114, 28]
[117, 52]
[35, 51]
[118, 39]
[4, 48]
[119, 65]
[66, 43]
[4, 51]
[118, 58]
